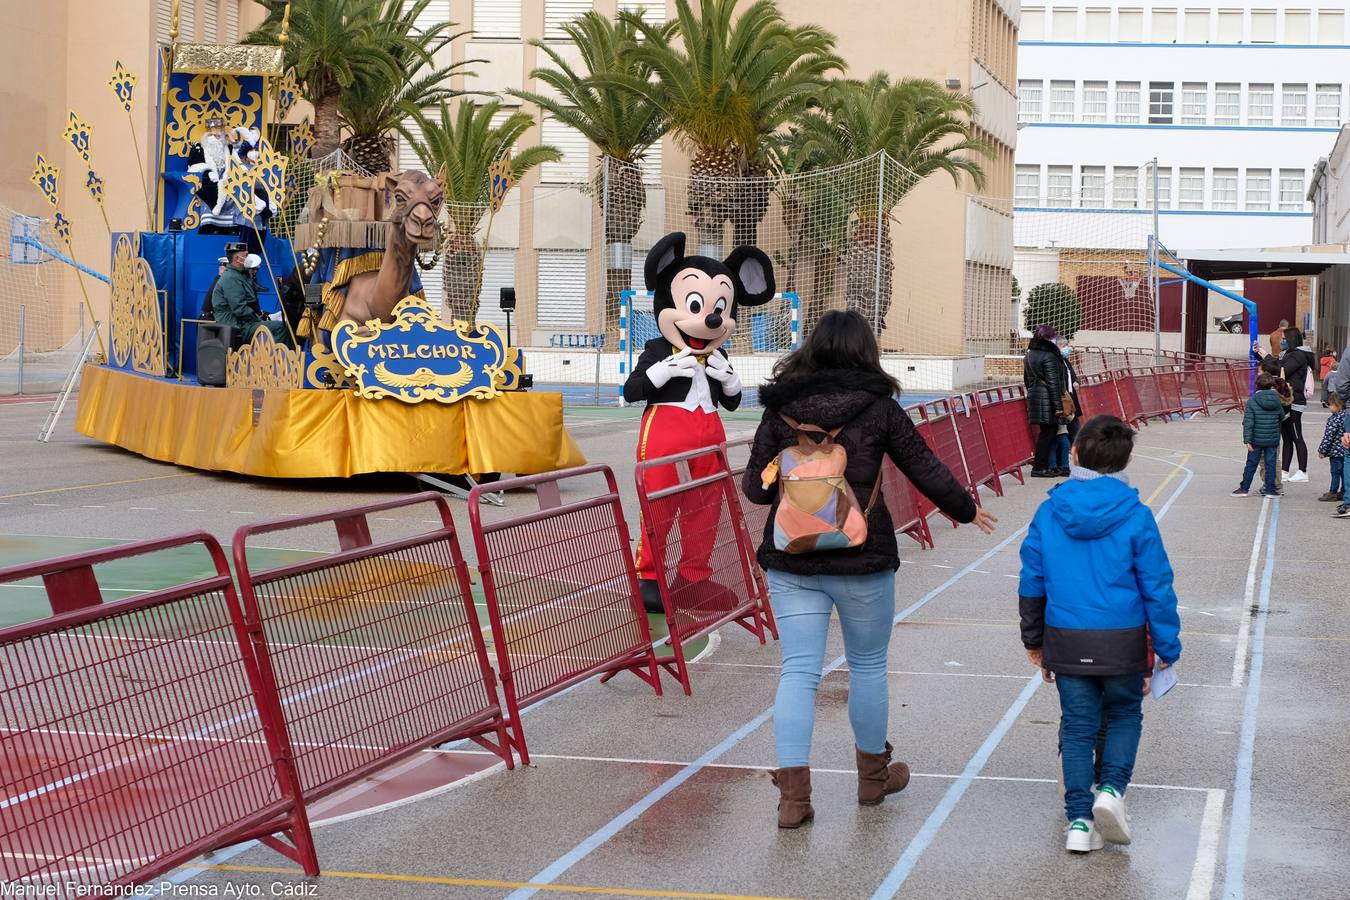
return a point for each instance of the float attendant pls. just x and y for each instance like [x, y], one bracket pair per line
[683, 375]
[235, 299]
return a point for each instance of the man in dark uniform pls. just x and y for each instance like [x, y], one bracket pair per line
[235, 300]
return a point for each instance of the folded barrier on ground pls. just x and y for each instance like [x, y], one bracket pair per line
[561, 590]
[138, 732]
[374, 650]
[695, 530]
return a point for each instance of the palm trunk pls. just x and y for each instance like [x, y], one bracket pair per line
[868, 257]
[327, 129]
[624, 199]
[463, 262]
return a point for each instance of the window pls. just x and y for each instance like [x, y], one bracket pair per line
[1125, 187]
[1327, 113]
[1258, 190]
[1196, 26]
[1094, 101]
[1027, 187]
[1164, 188]
[1093, 194]
[231, 22]
[1194, 103]
[210, 18]
[499, 271]
[576, 151]
[1291, 190]
[1061, 101]
[1160, 102]
[1230, 26]
[1228, 104]
[1297, 26]
[1097, 25]
[1064, 23]
[651, 164]
[1263, 26]
[562, 289]
[496, 19]
[1260, 104]
[1032, 27]
[1059, 186]
[650, 10]
[1029, 101]
[1191, 189]
[1330, 26]
[1225, 193]
[558, 13]
[1130, 26]
[1127, 102]
[1294, 104]
[1164, 26]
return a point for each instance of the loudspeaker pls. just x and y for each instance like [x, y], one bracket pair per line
[213, 349]
[508, 298]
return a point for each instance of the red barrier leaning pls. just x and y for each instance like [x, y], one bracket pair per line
[138, 733]
[902, 501]
[692, 518]
[1169, 390]
[562, 592]
[1098, 397]
[1004, 413]
[1127, 388]
[755, 517]
[974, 444]
[375, 650]
[939, 431]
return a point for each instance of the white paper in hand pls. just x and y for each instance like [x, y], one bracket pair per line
[1163, 680]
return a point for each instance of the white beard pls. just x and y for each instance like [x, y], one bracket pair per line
[217, 152]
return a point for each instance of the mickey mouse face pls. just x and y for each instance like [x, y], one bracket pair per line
[697, 298]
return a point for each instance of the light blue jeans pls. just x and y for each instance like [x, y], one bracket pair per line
[802, 605]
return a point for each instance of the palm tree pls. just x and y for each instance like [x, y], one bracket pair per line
[726, 86]
[332, 45]
[912, 129]
[623, 125]
[461, 147]
[377, 105]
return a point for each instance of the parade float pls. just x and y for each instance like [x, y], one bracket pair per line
[366, 378]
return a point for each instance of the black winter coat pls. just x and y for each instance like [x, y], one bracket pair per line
[1296, 365]
[1046, 376]
[874, 426]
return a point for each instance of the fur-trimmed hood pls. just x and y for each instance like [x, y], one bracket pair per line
[828, 398]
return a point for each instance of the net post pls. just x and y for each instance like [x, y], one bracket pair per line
[1153, 269]
[876, 251]
[23, 322]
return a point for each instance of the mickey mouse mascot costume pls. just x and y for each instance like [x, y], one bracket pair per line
[684, 375]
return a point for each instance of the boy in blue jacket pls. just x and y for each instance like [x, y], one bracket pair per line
[1096, 585]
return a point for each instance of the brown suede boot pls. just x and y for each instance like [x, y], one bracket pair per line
[794, 796]
[878, 777]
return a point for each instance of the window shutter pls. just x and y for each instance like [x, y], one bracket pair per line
[499, 271]
[1097, 26]
[653, 11]
[163, 16]
[651, 164]
[496, 19]
[1032, 25]
[210, 21]
[1263, 26]
[187, 21]
[576, 151]
[558, 13]
[231, 21]
[1297, 26]
[1330, 26]
[1230, 26]
[561, 298]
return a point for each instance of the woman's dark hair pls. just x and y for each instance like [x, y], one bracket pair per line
[1104, 444]
[1294, 337]
[842, 339]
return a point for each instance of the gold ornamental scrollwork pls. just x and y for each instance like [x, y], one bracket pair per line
[137, 327]
[263, 364]
[230, 59]
[206, 94]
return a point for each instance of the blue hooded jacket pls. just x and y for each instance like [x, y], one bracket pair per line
[1094, 575]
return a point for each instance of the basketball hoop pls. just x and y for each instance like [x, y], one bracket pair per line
[1129, 283]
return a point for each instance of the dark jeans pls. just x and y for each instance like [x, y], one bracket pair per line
[1337, 473]
[1291, 431]
[1254, 458]
[1085, 701]
[1045, 443]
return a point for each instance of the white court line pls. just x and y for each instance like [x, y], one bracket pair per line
[1207, 852]
[1245, 627]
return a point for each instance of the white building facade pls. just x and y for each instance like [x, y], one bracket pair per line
[1236, 103]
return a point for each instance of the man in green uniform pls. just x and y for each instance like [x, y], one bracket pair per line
[235, 300]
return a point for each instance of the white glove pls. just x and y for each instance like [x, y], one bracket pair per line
[214, 176]
[276, 316]
[258, 204]
[719, 367]
[680, 365]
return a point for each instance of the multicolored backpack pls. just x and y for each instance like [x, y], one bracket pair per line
[817, 509]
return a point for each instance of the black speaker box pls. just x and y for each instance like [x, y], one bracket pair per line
[213, 348]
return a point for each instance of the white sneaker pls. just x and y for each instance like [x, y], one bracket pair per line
[1108, 812]
[1297, 477]
[1081, 836]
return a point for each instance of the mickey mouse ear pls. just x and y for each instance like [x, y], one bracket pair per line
[754, 271]
[667, 252]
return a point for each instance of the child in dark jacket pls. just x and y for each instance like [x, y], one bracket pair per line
[1331, 449]
[1096, 584]
[1261, 421]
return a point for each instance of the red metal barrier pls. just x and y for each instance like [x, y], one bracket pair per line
[974, 444]
[1098, 397]
[138, 733]
[694, 527]
[1170, 390]
[561, 589]
[375, 650]
[1194, 389]
[1218, 387]
[944, 441]
[902, 501]
[755, 518]
[1128, 389]
[1004, 413]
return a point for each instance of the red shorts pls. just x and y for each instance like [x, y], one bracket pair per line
[667, 430]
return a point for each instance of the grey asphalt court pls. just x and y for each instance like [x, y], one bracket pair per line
[1242, 783]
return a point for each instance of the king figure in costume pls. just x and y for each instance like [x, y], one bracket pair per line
[683, 376]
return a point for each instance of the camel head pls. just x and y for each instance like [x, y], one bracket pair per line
[417, 205]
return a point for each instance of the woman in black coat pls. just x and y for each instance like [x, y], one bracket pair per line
[1297, 361]
[1046, 377]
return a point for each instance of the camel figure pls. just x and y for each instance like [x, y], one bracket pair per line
[417, 200]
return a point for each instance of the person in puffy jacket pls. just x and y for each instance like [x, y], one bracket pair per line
[835, 380]
[1095, 587]
[1261, 420]
[1045, 374]
[1297, 363]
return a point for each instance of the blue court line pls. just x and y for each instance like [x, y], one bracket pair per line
[1240, 825]
[895, 879]
[625, 818]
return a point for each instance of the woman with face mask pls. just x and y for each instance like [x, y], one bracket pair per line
[1068, 431]
[1298, 362]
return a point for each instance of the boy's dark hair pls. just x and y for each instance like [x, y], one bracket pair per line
[1270, 365]
[1265, 381]
[1104, 444]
